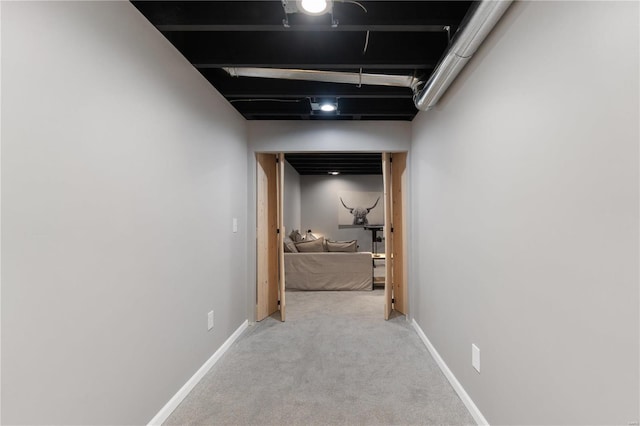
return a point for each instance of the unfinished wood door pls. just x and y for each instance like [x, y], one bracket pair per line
[388, 288]
[281, 234]
[266, 236]
[398, 261]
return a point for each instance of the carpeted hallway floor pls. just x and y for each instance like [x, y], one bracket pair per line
[335, 361]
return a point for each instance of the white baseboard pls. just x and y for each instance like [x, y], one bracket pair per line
[464, 396]
[166, 411]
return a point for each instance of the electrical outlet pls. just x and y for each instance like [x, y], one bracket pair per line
[210, 320]
[475, 357]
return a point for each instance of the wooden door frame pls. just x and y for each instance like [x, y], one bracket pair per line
[407, 221]
[270, 279]
[266, 301]
[399, 231]
[388, 252]
[282, 305]
[395, 226]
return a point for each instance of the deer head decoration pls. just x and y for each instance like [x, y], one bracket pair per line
[360, 213]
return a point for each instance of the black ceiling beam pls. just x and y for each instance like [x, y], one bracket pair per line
[371, 156]
[338, 118]
[333, 166]
[337, 159]
[353, 163]
[395, 50]
[330, 116]
[347, 160]
[271, 12]
[234, 96]
[311, 163]
[305, 159]
[416, 28]
[338, 65]
[327, 164]
[354, 106]
[342, 156]
[342, 172]
[365, 108]
[328, 168]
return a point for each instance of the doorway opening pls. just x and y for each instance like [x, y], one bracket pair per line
[330, 231]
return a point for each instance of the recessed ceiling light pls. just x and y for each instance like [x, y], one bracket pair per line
[315, 7]
[324, 106]
[334, 173]
[328, 107]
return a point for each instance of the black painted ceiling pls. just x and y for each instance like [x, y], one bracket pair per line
[404, 38]
[344, 163]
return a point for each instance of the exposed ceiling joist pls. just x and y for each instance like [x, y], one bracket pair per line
[311, 50]
[405, 38]
[344, 163]
[241, 12]
[417, 28]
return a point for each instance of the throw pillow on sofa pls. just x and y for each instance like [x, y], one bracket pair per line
[289, 246]
[309, 236]
[311, 246]
[295, 236]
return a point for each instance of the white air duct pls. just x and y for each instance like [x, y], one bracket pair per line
[473, 33]
[326, 76]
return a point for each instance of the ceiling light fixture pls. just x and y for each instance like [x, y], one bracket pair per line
[324, 106]
[328, 107]
[315, 7]
[308, 7]
[334, 173]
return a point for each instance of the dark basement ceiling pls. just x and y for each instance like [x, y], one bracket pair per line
[405, 38]
[345, 163]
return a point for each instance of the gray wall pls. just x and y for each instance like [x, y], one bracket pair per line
[525, 199]
[121, 172]
[291, 198]
[320, 206]
[328, 136]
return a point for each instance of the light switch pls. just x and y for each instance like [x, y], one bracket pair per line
[235, 224]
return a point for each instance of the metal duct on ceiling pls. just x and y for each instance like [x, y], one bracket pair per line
[473, 33]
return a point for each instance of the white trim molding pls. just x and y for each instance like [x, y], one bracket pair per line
[173, 403]
[464, 396]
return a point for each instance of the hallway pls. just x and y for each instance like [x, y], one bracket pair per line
[335, 361]
[128, 214]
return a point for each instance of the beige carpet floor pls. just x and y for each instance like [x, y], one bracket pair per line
[335, 361]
